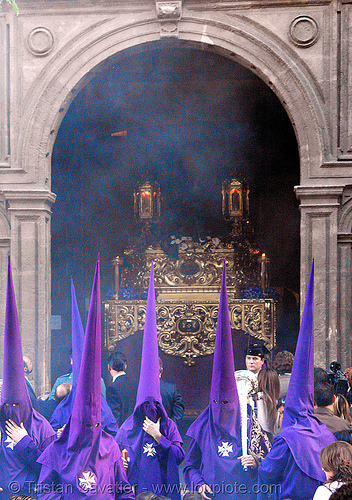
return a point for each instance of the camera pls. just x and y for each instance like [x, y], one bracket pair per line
[337, 379]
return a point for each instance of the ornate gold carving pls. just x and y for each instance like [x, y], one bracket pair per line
[188, 291]
[187, 329]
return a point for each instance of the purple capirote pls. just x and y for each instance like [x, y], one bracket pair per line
[152, 466]
[303, 432]
[64, 409]
[215, 436]
[86, 457]
[15, 404]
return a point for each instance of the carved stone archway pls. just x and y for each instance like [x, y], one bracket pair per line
[48, 55]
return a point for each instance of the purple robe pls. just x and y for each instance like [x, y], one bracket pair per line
[152, 466]
[18, 465]
[215, 446]
[296, 450]
[85, 462]
[64, 409]
[79, 474]
[280, 476]
[212, 458]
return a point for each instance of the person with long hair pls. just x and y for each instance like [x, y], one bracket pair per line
[341, 408]
[267, 398]
[336, 462]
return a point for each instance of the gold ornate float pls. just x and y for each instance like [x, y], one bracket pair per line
[187, 285]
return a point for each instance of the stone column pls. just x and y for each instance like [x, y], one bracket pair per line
[30, 216]
[344, 305]
[319, 213]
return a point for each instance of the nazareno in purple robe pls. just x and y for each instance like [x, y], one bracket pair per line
[215, 437]
[18, 467]
[85, 462]
[64, 409]
[293, 462]
[152, 466]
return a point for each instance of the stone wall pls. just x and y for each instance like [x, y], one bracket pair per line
[301, 50]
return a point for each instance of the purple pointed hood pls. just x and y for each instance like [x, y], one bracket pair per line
[219, 424]
[224, 402]
[303, 432]
[14, 389]
[87, 407]
[83, 445]
[77, 334]
[16, 404]
[64, 409]
[149, 380]
[149, 403]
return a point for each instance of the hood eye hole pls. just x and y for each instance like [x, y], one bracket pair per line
[215, 401]
[224, 402]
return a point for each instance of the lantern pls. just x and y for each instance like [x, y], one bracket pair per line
[235, 201]
[147, 202]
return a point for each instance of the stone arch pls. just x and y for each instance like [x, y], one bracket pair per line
[239, 38]
[345, 219]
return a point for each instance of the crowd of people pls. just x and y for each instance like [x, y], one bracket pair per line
[277, 430]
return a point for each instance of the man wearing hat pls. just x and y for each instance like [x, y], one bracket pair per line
[255, 357]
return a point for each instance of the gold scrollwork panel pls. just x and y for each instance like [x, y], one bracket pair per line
[187, 329]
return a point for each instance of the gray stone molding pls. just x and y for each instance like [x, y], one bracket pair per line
[47, 65]
[40, 41]
[304, 31]
[30, 214]
[271, 59]
[319, 219]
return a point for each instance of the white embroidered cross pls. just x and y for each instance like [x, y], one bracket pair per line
[225, 449]
[86, 482]
[149, 449]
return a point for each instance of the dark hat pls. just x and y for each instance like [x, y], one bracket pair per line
[257, 350]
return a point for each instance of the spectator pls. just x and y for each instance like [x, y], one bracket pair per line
[267, 399]
[324, 408]
[146, 495]
[283, 363]
[341, 408]
[344, 436]
[255, 357]
[348, 374]
[343, 493]
[47, 407]
[121, 393]
[171, 398]
[320, 375]
[336, 462]
[193, 495]
[28, 368]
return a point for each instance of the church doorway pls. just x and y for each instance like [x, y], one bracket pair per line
[188, 118]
